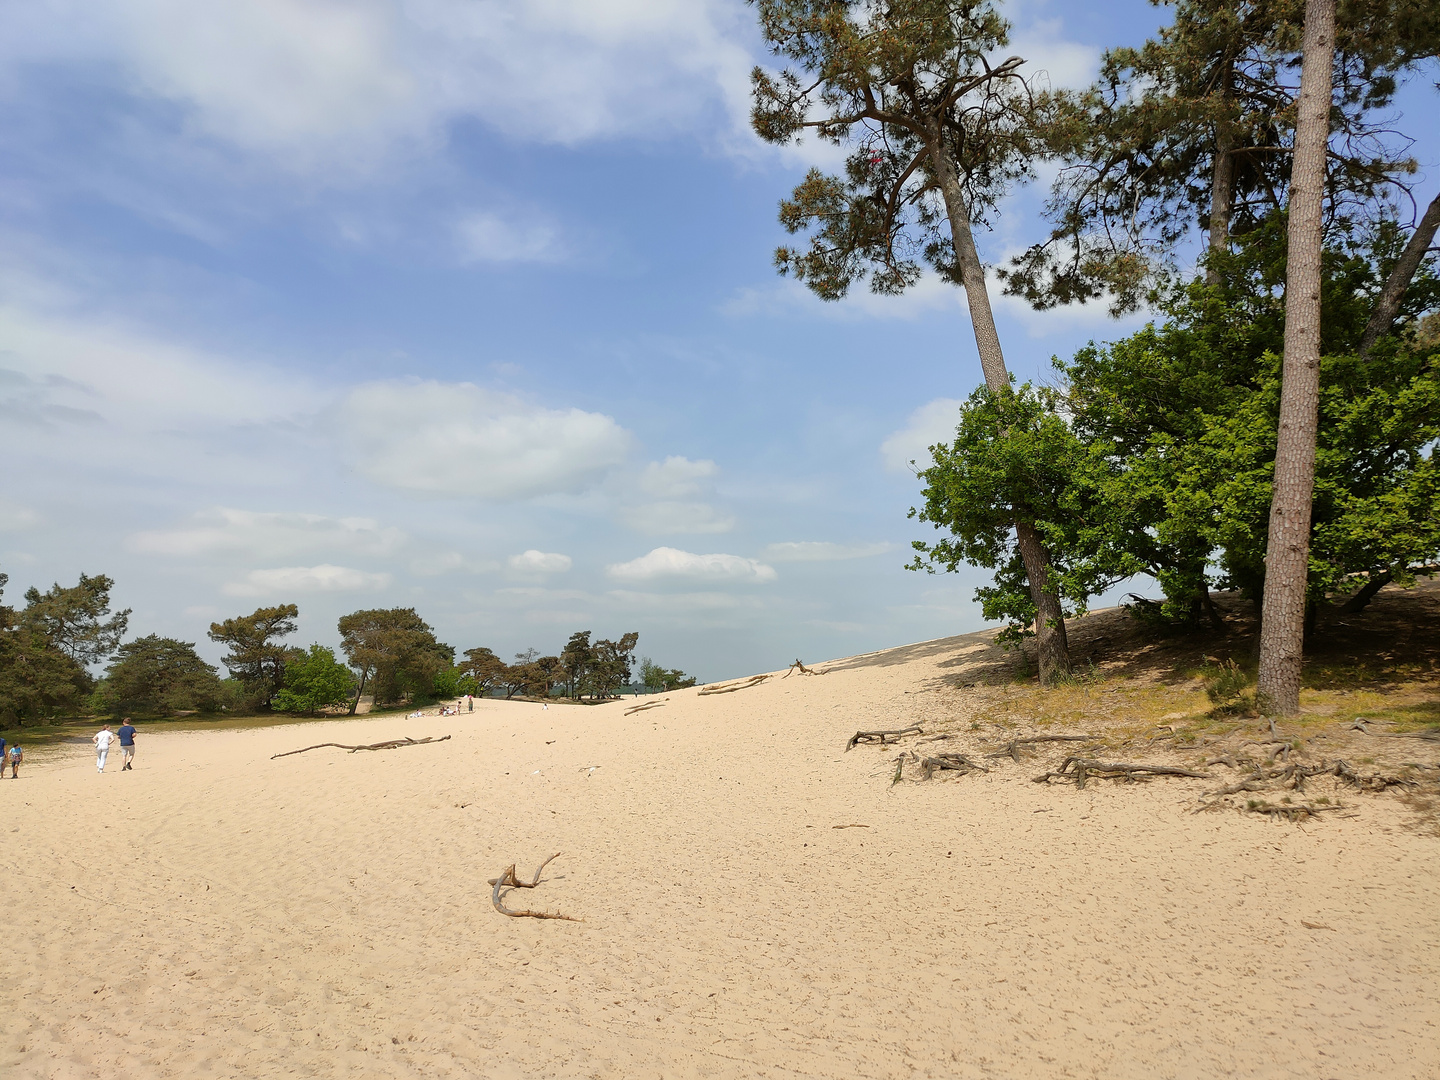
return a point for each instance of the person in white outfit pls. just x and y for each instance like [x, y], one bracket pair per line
[103, 738]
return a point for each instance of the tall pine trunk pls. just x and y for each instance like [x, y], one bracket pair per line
[1052, 650]
[1282, 624]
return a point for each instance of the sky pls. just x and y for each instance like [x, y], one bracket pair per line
[469, 306]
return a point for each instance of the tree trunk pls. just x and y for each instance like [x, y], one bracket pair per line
[1222, 197]
[1358, 602]
[1054, 655]
[358, 691]
[1400, 276]
[1282, 617]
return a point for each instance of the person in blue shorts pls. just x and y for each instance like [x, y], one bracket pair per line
[127, 744]
[14, 756]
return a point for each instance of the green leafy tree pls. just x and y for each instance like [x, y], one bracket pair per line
[158, 676]
[73, 621]
[610, 669]
[576, 660]
[38, 681]
[257, 656]
[395, 651]
[938, 134]
[656, 678]
[485, 670]
[1196, 128]
[313, 681]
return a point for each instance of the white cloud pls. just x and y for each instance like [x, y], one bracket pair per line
[822, 551]
[540, 562]
[255, 535]
[675, 477]
[485, 236]
[306, 579]
[932, 423]
[669, 517]
[315, 85]
[786, 296]
[671, 563]
[450, 562]
[15, 518]
[458, 439]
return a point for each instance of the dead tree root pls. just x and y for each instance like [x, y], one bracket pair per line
[880, 736]
[392, 744]
[730, 688]
[798, 666]
[1014, 746]
[956, 762]
[1081, 769]
[508, 880]
[1362, 725]
[641, 708]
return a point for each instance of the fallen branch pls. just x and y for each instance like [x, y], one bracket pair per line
[1012, 748]
[730, 688]
[955, 762]
[798, 666]
[509, 880]
[392, 744]
[880, 736]
[1361, 725]
[641, 708]
[1080, 769]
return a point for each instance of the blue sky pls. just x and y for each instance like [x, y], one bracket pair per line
[466, 306]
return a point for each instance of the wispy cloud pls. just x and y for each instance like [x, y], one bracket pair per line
[822, 551]
[671, 563]
[306, 579]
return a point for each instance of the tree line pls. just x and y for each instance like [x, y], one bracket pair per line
[1274, 429]
[48, 647]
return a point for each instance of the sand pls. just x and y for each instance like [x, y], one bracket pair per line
[218, 913]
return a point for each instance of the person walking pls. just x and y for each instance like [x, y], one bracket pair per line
[103, 738]
[127, 744]
[14, 756]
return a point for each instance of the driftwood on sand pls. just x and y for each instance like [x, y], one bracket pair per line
[641, 708]
[798, 666]
[389, 744]
[508, 880]
[730, 688]
[881, 736]
[1081, 769]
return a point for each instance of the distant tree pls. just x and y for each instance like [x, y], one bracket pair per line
[314, 681]
[395, 651]
[575, 661]
[656, 678]
[257, 656]
[485, 669]
[37, 680]
[70, 619]
[158, 676]
[610, 668]
[533, 675]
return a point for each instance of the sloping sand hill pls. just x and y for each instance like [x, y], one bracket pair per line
[756, 903]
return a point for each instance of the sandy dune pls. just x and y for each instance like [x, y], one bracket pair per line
[217, 913]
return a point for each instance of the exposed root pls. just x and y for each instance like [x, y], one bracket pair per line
[730, 688]
[1288, 811]
[956, 762]
[1081, 769]
[391, 744]
[641, 708]
[1361, 724]
[1014, 746]
[508, 880]
[880, 736]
